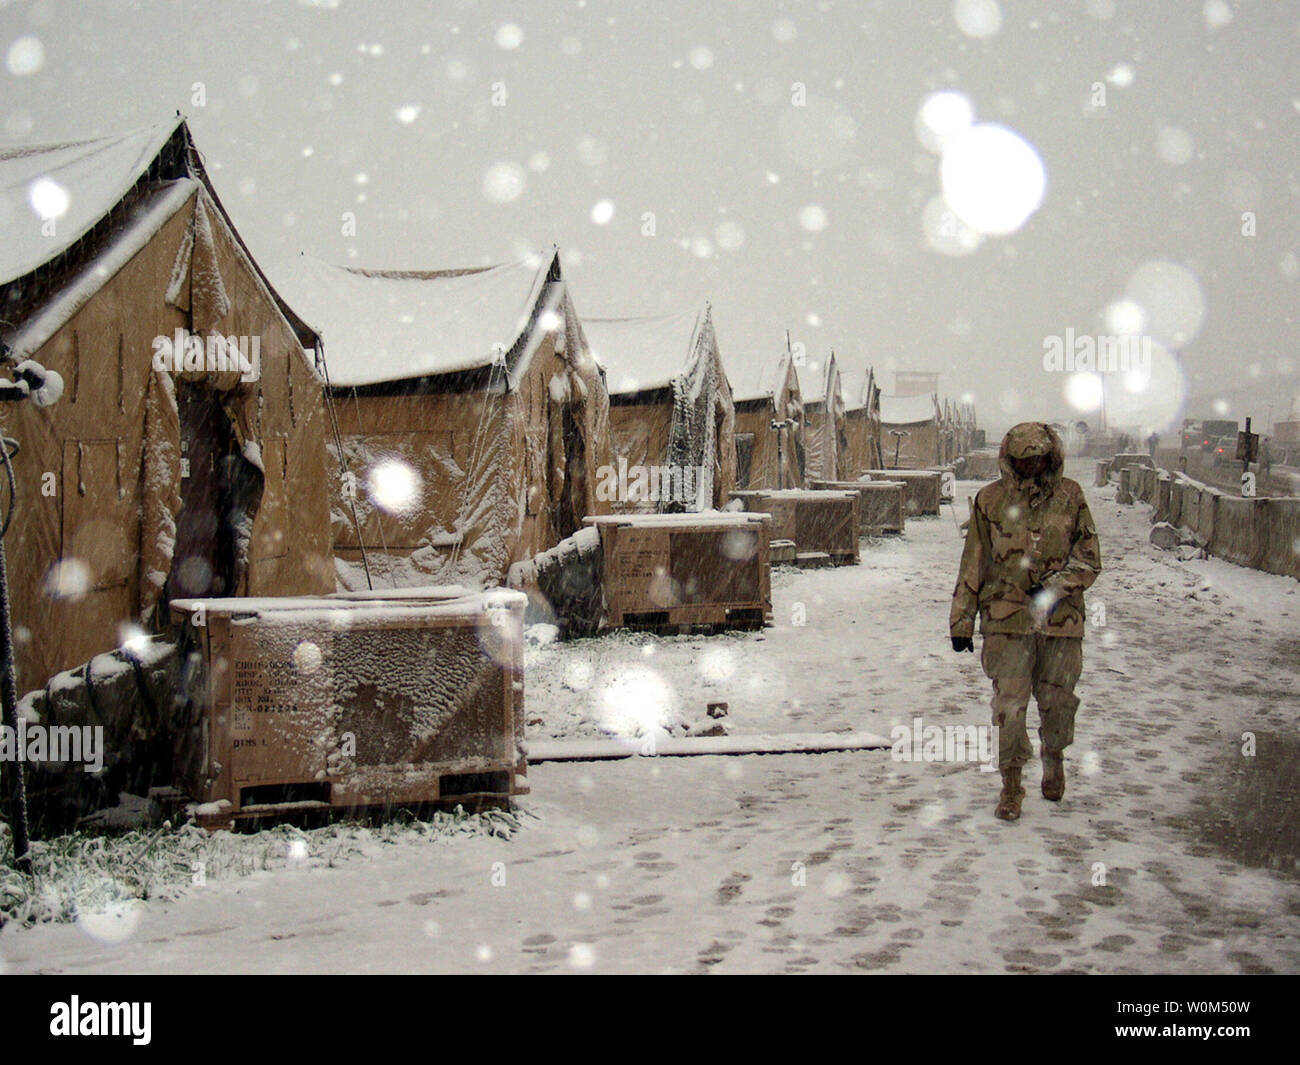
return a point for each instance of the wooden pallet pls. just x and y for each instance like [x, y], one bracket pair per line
[472, 791]
[682, 620]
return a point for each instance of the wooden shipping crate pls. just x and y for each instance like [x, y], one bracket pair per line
[817, 521]
[670, 571]
[924, 488]
[882, 505]
[322, 703]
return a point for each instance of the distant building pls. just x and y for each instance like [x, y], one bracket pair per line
[915, 384]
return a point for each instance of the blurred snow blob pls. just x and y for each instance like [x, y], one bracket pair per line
[504, 182]
[25, 56]
[509, 36]
[1218, 13]
[717, 664]
[603, 212]
[813, 218]
[1083, 391]
[977, 18]
[1121, 76]
[701, 58]
[945, 232]
[1125, 317]
[394, 486]
[1153, 392]
[1170, 296]
[582, 956]
[941, 117]
[48, 198]
[307, 657]
[636, 703]
[729, 235]
[106, 912]
[1174, 145]
[131, 637]
[992, 178]
[69, 578]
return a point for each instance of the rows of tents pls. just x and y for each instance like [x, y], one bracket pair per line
[228, 431]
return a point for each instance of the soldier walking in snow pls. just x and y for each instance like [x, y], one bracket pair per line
[1030, 552]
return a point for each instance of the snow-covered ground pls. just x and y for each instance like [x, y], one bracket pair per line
[1171, 852]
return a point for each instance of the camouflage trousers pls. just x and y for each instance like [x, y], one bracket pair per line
[1046, 667]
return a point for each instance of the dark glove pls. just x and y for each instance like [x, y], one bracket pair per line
[963, 643]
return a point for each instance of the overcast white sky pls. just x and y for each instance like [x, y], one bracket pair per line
[785, 217]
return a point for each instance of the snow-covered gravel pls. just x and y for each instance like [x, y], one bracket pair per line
[1171, 852]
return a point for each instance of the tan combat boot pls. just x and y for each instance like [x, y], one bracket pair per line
[1053, 774]
[1011, 797]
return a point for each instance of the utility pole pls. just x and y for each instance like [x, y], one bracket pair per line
[43, 387]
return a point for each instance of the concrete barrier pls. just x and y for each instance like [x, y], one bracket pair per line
[1150, 476]
[1280, 536]
[1209, 504]
[1236, 531]
[1163, 484]
[1102, 477]
[1124, 493]
[1261, 534]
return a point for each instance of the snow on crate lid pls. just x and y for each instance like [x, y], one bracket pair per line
[329, 611]
[379, 326]
[640, 354]
[73, 185]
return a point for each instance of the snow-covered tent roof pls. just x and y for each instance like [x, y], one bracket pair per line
[752, 378]
[907, 410]
[853, 384]
[73, 184]
[103, 196]
[396, 325]
[642, 354]
[829, 380]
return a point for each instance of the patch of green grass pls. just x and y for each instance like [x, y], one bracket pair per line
[92, 873]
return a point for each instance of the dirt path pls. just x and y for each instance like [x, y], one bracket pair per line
[1172, 852]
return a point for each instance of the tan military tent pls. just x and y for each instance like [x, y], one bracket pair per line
[861, 423]
[825, 440]
[767, 393]
[471, 417]
[670, 413]
[910, 426]
[186, 456]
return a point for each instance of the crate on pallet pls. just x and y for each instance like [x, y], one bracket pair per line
[924, 488]
[677, 571]
[327, 703]
[819, 522]
[882, 505]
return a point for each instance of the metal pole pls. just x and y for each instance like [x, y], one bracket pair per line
[16, 786]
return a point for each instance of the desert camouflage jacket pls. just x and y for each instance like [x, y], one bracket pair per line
[1026, 533]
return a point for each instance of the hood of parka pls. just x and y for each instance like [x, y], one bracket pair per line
[1027, 440]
